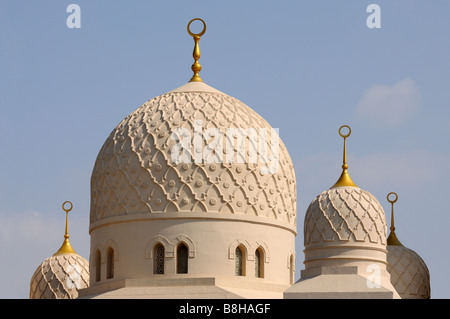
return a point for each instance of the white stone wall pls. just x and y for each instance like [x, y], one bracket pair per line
[211, 244]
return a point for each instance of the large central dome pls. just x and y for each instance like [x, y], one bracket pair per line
[138, 172]
[194, 192]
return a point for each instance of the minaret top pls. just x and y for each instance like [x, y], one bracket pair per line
[196, 67]
[344, 179]
[392, 239]
[66, 248]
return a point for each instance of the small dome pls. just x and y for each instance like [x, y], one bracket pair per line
[345, 215]
[409, 273]
[345, 244]
[345, 225]
[136, 171]
[63, 274]
[60, 277]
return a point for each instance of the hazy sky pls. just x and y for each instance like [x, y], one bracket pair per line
[307, 67]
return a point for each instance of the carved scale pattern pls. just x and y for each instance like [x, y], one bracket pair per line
[134, 172]
[409, 273]
[60, 277]
[347, 214]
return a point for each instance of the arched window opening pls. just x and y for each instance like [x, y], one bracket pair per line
[182, 259]
[158, 263]
[292, 269]
[259, 263]
[98, 265]
[239, 261]
[110, 263]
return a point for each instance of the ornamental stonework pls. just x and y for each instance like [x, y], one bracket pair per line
[346, 215]
[135, 172]
[409, 273]
[60, 277]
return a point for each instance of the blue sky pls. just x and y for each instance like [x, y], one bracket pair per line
[307, 67]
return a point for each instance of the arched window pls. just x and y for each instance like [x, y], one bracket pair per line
[98, 265]
[158, 260]
[240, 261]
[259, 263]
[292, 268]
[182, 259]
[110, 263]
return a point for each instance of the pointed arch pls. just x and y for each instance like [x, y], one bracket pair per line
[239, 264]
[182, 258]
[291, 267]
[159, 259]
[262, 245]
[259, 263]
[168, 247]
[98, 265]
[239, 251]
[110, 263]
[237, 242]
[189, 244]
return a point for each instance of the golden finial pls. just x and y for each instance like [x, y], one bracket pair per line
[345, 179]
[196, 67]
[392, 239]
[66, 248]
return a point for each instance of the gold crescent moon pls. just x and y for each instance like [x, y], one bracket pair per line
[393, 200]
[67, 209]
[196, 34]
[349, 131]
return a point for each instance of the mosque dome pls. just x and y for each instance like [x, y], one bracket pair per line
[409, 273]
[138, 170]
[345, 244]
[199, 169]
[61, 275]
[194, 149]
[345, 215]
[347, 219]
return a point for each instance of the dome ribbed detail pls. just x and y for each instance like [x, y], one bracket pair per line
[346, 215]
[409, 273]
[60, 277]
[135, 173]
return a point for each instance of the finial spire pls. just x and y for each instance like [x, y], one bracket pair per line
[392, 239]
[196, 67]
[66, 248]
[345, 179]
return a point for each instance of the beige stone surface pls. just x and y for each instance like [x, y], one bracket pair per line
[337, 283]
[196, 87]
[60, 277]
[183, 288]
[211, 243]
[345, 214]
[345, 226]
[409, 273]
